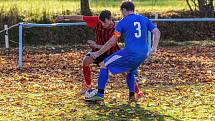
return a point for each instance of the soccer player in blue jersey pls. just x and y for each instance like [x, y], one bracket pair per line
[134, 28]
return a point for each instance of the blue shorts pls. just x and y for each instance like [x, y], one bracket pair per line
[124, 61]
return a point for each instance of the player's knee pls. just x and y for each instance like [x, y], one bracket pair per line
[130, 74]
[102, 65]
[123, 74]
[86, 61]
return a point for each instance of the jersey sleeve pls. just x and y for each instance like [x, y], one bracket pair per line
[118, 28]
[150, 25]
[91, 21]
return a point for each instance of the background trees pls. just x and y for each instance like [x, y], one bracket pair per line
[205, 7]
[85, 8]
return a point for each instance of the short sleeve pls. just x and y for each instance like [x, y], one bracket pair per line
[91, 21]
[118, 27]
[150, 25]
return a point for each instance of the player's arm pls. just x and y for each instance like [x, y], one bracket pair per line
[75, 17]
[68, 17]
[93, 44]
[91, 21]
[156, 33]
[99, 46]
[107, 45]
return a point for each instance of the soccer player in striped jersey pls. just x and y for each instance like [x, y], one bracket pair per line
[104, 28]
[133, 28]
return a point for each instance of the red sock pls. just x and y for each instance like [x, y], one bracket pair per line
[87, 74]
[136, 88]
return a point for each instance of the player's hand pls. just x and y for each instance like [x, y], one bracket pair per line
[153, 51]
[59, 18]
[92, 43]
[94, 55]
[151, 54]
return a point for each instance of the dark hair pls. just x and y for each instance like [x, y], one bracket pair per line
[105, 14]
[129, 6]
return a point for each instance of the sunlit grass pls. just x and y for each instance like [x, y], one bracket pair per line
[57, 6]
[193, 102]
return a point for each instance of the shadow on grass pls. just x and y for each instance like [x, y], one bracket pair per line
[114, 112]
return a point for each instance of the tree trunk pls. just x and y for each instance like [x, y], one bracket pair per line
[189, 5]
[195, 4]
[201, 5]
[85, 9]
[206, 7]
[211, 6]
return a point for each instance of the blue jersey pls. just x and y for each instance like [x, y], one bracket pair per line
[134, 29]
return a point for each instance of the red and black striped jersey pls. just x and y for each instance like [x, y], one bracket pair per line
[102, 34]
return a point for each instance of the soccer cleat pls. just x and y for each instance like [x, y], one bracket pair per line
[85, 87]
[132, 99]
[139, 94]
[95, 98]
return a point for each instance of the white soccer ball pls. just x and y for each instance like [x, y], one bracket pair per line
[90, 93]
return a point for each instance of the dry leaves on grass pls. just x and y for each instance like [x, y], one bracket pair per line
[46, 87]
[50, 70]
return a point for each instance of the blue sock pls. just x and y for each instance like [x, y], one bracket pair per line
[130, 81]
[103, 77]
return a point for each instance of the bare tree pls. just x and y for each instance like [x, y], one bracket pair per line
[188, 3]
[204, 6]
[85, 8]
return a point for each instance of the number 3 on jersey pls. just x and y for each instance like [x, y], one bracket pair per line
[138, 28]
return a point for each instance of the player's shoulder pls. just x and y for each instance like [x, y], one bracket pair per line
[138, 16]
[142, 16]
[122, 20]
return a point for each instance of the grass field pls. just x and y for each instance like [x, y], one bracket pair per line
[73, 5]
[37, 7]
[178, 86]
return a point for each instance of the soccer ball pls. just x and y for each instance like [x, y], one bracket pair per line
[90, 93]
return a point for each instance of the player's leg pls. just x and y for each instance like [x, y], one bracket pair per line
[136, 88]
[119, 62]
[86, 73]
[86, 69]
[131, 85]
[124, 61]
[137, 91]
[103, 77]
